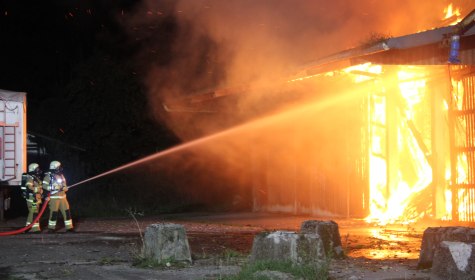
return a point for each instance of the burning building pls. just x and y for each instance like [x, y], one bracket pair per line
[384, 131]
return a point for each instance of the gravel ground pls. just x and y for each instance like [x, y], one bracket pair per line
[107, 248]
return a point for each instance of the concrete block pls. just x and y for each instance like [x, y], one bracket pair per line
[433, 236]
[329, 233]
[454, 260]
[299, 248]
[165, 242]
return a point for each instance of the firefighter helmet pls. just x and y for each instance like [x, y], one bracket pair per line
[55, 165]
[33, 167]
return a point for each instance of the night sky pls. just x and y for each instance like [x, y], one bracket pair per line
[86, 98]
[76, 63]
[97, 71]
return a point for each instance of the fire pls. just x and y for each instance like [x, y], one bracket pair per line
[410, 156]
[452, 15]
[450, 12]
[398, 166]
[464, 196]
[411, 171]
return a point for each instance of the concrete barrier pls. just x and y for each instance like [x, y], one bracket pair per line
[433, 236]
[166, 242]
[454, 260]
[299, 248]
[329, 233]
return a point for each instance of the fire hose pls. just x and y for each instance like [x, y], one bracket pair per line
[36, 220]
[38, 217]
[84, 181]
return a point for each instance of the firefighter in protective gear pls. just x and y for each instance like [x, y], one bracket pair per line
[55, 183]
[33, 194]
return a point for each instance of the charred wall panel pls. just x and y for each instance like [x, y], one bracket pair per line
[319, 165]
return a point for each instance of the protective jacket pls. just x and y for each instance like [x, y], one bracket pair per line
[33, 198]
[55, 183]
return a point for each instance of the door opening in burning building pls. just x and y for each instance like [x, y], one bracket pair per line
[417, 144]
[404, 108]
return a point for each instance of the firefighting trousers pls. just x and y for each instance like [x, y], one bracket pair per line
[57, 204]
[32, 213]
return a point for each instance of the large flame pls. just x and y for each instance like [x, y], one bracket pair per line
[399, 167]
[400, 126]
[411, 172]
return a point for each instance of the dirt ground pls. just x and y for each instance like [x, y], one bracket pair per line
[107, 248]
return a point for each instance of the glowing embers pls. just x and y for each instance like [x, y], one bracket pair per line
[391, 243]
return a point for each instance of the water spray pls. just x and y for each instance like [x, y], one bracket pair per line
[264, 121]
[152, 157]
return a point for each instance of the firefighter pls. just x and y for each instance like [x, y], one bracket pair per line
[32, 191]
[55, 183]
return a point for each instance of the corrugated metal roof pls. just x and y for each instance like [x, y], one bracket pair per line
[429, 47]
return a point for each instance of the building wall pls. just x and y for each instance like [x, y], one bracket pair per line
[318, 164]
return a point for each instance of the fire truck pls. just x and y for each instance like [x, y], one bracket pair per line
[13, 144]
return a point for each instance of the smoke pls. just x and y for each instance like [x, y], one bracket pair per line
[192, 46]
[188, 47]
